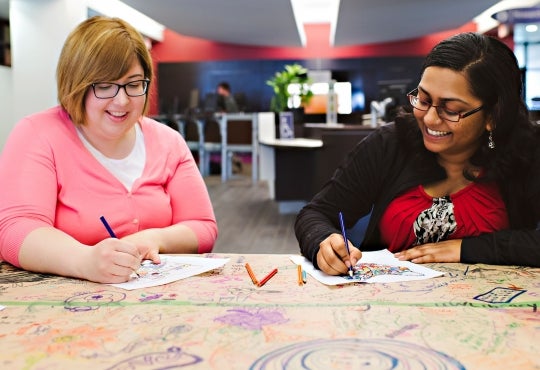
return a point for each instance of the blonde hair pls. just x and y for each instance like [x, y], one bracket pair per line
[99, 49]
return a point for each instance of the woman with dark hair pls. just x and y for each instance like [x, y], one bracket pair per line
[456, 177]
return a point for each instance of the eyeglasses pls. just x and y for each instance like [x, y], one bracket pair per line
[443, 113]
[107, 90]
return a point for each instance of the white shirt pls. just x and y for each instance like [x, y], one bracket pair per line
[127, 169]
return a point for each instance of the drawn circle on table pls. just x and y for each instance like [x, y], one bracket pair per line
[172, 358]
[92, 301]
[380, 354]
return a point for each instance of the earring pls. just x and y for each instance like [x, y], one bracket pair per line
[491, 143]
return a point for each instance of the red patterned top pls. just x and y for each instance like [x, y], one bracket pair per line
[415, 217]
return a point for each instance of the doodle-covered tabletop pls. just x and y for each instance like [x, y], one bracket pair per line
[472, 317]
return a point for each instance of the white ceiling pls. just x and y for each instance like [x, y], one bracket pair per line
[375, 21]
[272, 22]
[251, 22]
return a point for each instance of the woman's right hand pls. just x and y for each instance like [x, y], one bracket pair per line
[333, 258]
[111, 261]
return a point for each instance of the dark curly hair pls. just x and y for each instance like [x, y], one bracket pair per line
[494, 76]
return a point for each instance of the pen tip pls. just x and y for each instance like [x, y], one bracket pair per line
[350, 273]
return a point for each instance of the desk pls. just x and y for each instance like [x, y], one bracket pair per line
[300, 167]
[300, 143]
[317, 130]
[288, 167]
[220, 320]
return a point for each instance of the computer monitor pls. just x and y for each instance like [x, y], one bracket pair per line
[395, 89]
[211, 102]
[319, 102]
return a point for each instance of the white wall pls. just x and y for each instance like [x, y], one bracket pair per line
[5, 103]
[38, 31]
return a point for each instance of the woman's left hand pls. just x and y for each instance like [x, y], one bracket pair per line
[446, 251]
[147, 241]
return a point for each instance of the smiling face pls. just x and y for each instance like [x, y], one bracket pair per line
[111, 120]
[450, 90]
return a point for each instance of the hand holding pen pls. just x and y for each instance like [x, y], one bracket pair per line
[336, 254]
[116, 260]
[346, 241]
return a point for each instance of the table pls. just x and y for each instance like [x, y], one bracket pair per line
[288, 166]
[474, 317]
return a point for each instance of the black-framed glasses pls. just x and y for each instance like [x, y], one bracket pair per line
[443, 113]
[107, 90]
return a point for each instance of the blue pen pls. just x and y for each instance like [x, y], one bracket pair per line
[112, 234]
[344, 233]
[108, 227]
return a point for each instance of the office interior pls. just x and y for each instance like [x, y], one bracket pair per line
[476, 316]
[374, 50]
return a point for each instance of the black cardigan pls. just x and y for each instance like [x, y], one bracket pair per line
[380, 167]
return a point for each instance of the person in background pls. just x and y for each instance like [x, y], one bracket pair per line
[225, 102]
[95, 155]
[456, 177]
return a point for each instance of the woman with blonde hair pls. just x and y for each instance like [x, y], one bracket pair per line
[96, 160]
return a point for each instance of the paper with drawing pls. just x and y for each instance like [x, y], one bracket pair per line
[374, 267]
[171, 268]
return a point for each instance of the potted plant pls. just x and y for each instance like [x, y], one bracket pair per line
[292, 74]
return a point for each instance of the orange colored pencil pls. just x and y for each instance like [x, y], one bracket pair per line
[251, 274]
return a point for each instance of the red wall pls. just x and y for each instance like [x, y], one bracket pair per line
[178, 48]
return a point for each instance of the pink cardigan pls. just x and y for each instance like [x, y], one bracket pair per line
[48, 178]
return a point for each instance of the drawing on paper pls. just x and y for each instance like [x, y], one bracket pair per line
[356, 353]
[171, 268]
[154, 271]
[499, 295]
[365, 271]
[374, 267]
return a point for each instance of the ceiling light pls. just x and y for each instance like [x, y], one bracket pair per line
[315, 12]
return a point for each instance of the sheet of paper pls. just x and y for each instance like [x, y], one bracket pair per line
[171, 268]
[374, 267]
